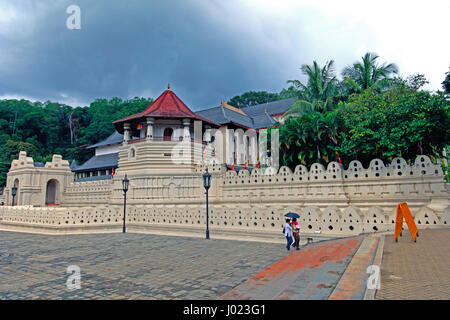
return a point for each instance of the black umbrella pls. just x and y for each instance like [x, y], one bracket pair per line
[292, 215]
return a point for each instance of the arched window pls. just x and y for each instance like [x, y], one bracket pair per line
[51, 195]
[168, 134]
[132, 153]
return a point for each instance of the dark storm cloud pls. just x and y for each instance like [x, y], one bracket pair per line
[134, 48]
[209, 50]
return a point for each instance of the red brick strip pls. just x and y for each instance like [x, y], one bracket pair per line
[353, 283]
[310, 273]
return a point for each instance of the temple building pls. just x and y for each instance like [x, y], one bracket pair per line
[161, 150]
[104, 161]
[169, 120]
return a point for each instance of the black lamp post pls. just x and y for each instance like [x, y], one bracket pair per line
[125, 183]
[13, 193]
[207, 184]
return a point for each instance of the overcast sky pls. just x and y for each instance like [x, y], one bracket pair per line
[208, 50]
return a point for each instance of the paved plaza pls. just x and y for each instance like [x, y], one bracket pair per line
[309, 274]
[141, 266]
[416, 270]
[127, 266]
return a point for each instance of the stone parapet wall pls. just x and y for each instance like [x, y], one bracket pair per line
[418, 184]
[226, 222]
[32, 181]
[332, 201]
[88, 193]
[160, 188]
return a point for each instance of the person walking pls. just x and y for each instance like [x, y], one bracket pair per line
[288, 234]
[296, 233]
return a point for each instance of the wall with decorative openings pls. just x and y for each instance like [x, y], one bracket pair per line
[331, 201]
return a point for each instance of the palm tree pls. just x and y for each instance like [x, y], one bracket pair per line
[368, 74]
[302, 137]
[446, 82]
[317, 94]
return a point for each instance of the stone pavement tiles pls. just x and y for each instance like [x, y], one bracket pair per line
[416, 270]
[353, 283]
[128, 266]
[311, 273]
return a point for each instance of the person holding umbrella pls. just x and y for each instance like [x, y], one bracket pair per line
[296, 233]
[295, 228]
[288, 233]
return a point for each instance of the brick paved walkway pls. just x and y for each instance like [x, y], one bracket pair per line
[418, 270]
[311, 273]
[128, 266]
[139, 266]
[353, 283]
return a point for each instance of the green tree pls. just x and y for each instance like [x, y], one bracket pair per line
[310, 138]
[10, 150]
[43, 129]
[368, 74]
[318, 93]
[394, 123]
[252, 98]
[290, 92]
[446, 82]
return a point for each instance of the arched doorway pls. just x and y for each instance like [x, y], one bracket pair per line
[168, 134]
[51, 195]
[16, 197]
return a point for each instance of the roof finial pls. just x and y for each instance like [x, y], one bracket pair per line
[168, 86]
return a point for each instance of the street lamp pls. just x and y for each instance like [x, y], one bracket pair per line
[125, 183]
[207, 185]
[13, 193]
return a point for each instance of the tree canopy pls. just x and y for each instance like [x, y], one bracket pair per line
[369, 114]
[368, 74]
[44, 129]
[318, 93]
[252, 98]
[446, 82]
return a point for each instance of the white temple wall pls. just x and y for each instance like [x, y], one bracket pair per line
[99, 151]
[228, 222]
[32, 181]
[331, 201]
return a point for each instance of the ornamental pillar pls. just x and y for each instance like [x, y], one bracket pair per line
[126, 132]
[186, 130]
[150, 122]
[207, 133]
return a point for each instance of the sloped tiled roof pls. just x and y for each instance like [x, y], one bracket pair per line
[105, 161]
[263, 121]
[215, 114]
[112, 139]
[238, 110]
[167, 105]
[272, 108]
[238, 118]
[224, 115]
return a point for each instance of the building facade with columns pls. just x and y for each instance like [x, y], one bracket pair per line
[169, 119]
[157, 150]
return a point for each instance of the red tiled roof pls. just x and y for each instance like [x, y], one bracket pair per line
[167, 105]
